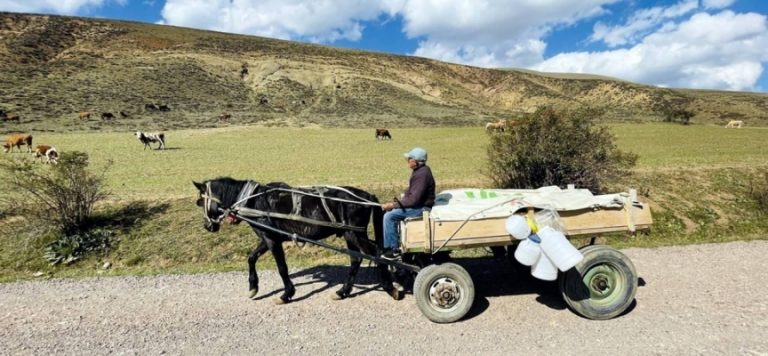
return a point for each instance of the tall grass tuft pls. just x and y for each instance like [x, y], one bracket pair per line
[758, 190]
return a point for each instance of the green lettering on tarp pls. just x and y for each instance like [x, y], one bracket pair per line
[483, 194]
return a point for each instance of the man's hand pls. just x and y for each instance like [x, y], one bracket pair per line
[388, 206]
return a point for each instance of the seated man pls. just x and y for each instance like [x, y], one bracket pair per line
[420, 195]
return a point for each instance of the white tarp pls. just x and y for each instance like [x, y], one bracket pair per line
[474, 204]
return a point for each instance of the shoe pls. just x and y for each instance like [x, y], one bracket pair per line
[391, 254]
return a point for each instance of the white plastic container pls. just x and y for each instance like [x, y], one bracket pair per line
[559, 250]
[528, 251]
[544, 269]
[518, 227]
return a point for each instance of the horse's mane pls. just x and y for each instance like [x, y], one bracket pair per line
[227, 188]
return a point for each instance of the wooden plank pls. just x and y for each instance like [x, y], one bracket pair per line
[492, 232]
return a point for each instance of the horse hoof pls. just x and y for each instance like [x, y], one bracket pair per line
[337, 296]
[252, 293]
[280, 301]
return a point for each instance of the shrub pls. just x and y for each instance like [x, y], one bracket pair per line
[679, 115]
[71, 248]
[551, 147]
[758, 190]
[61, 196]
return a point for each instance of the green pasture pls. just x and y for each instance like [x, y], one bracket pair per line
[307, 156]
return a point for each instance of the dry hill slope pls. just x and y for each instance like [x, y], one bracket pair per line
[54, 67]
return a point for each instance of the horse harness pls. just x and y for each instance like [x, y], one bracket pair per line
[246, 193]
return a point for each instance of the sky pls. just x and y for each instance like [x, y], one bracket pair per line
[703, 44]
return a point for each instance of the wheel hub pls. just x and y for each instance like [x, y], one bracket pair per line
[602, 281]
[444, 293]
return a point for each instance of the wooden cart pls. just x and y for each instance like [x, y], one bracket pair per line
[602, 286]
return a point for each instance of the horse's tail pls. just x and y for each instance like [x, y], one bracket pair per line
[377, 215]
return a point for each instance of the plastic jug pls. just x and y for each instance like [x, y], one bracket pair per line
[558, 249]
[528, 251]
[544, 269]
[517, 226]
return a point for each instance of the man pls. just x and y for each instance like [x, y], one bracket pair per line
[420, 195]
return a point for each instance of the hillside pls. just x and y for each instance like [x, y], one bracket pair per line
[54, 67]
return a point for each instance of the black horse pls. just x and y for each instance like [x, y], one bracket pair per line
[343, 212]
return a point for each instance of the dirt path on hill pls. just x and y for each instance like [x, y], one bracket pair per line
[707, 299]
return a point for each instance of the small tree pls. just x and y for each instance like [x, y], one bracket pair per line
[62, 195]
[551, 147]
[679, 115]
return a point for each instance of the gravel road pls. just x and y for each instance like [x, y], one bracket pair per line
[706, 299]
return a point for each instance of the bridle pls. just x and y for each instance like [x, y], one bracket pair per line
[211, 204]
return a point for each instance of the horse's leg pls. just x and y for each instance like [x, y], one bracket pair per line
[354, 266]
[253, 277]
[277, 252]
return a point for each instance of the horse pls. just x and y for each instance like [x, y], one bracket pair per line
[148, 137]
[734, 124]
[314, 213]
[382, 134]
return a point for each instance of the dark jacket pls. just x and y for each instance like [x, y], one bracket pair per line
[421, 189]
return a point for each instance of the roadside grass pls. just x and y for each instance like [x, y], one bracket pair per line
[695, 179]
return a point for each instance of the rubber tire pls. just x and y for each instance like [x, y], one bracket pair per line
[576, 293]
[430, 274]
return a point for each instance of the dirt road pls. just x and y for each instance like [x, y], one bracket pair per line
[708, 299]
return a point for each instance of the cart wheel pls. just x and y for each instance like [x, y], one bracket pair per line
[444, 293]
[602, 285]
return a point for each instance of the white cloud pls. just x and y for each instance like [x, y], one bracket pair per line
[719, 51]
[640, 24]
[317, 21]
[65, 7]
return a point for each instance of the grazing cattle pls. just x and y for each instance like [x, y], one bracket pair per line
[225, 116]
[124, 114]
[85, 115]
[49, 152]
[107, 116]
[146, 138]
[151, 107]
[12, 118]
[16, 140]
[163, 108]
[734, 124]
[383, 134]
[496, 126]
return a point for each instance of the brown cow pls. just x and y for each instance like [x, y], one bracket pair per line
[383, 134]
[12, 118]
[17, 140]
[225, 116]
[496, 126]
[85, 115]
[49, 152]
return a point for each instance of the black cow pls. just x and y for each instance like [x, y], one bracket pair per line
[164, 108]
[107, 116]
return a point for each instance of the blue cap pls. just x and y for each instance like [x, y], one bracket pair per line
[417, 153]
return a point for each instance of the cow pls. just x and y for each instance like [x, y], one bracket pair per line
[225, 116]
[12, 118]
[124, 114]
[496, 126]
[107, 116]
[49, 152]
[17, 140]
[163, 108]
[151, 107]
[734, 124]
[146, 138]
[382, 134]
[85, 115]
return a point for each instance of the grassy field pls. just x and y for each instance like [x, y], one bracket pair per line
[353, 157]
[696, 179]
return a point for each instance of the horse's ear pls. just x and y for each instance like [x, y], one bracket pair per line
[200, 186]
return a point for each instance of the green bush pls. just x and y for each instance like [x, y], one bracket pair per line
[551, 147]
[60, 196]
[758, 190]
[71, 248]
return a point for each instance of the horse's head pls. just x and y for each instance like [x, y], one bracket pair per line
[211, 203]
[216, 198]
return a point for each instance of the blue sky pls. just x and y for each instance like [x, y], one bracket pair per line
[706, 44]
